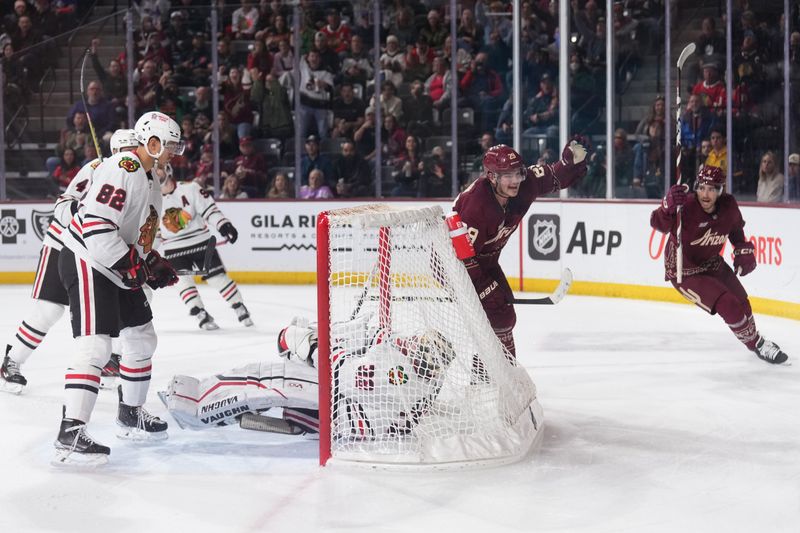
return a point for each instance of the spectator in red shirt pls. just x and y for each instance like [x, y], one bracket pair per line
[711, 89]
[338, 33]
[66, 169]
[483, 91]
[251, 168]
[438, 85]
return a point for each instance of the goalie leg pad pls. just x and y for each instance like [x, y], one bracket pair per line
[221, 399]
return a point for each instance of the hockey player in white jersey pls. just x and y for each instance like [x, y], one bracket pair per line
[107, 258]
[49, 296]
[370, 383]
[188, 212]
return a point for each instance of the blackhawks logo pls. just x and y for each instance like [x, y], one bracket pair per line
[147, 233]
[397, 375]
[130, 165]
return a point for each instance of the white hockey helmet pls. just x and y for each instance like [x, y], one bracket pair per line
[123, 139]
[163, 128]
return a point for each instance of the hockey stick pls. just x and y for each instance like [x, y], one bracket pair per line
[555, 297]
[685, 53]
[86, 107]
[209, 248]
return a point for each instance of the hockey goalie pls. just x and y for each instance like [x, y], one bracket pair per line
[412, 368]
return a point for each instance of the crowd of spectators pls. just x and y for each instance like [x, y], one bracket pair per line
[335, 115]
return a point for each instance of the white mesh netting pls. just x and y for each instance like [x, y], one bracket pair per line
[418, 376]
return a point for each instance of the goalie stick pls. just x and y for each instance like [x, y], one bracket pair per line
[209, 248]
[685, 53]
[555, 297]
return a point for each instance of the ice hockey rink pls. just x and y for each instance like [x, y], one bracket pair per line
[657, 419]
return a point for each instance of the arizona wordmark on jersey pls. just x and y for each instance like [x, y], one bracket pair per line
[120, 208]
[187, 213]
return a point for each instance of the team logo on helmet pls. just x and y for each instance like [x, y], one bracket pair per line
[130, 165]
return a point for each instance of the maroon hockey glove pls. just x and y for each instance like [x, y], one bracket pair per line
[161, 272]
[574, 153]
[676, 196]
[744, 258]
[133, 270]
[492, 296]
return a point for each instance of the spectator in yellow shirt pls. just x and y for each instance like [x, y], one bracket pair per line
[718, 156]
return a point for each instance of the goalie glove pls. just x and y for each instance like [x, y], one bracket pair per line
[175, 219]
[298, 343]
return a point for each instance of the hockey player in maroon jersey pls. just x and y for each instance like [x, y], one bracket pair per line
[709, 218]
[493, 206]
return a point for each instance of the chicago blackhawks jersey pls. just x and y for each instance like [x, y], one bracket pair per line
[119, 209]
[67, 204]
[703, 235]
[188, 211]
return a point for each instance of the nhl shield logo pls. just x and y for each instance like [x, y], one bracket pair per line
[543, 237]
[40, 220]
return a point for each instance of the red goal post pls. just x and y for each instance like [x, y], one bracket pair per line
[410, 371]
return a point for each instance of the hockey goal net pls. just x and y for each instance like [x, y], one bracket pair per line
[410, 370]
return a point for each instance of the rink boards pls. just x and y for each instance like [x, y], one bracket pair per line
[609, 246]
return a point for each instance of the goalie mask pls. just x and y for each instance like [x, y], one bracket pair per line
[430, 353]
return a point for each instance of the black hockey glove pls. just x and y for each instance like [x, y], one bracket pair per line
[229, 232]
[161, 272]
[133, 270]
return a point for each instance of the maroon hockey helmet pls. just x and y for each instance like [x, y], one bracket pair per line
[502, 159]
[709, 175]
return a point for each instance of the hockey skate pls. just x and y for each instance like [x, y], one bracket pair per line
[135, 423]
[206, 321]
[74, 446]
[243, 314]
[11, 380]
[110, 372]
[770, 352]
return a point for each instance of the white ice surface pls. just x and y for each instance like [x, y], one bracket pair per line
[657, 419]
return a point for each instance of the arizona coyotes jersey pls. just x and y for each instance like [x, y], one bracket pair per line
[490, 225]
[703, 235]
[202, 212]
[120, 208]
[67, 204]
